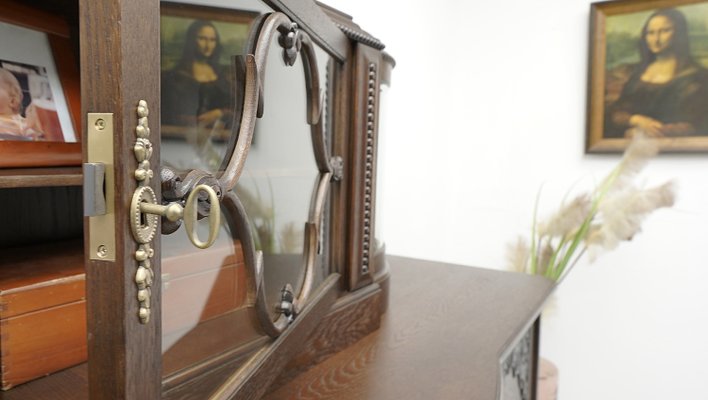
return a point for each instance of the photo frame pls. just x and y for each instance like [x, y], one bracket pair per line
[648, 73]
[41, 125]
[187, 119]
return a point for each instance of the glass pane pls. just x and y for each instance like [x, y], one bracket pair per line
[206, 317]
[280, 175]
[382, 144]
[203, 299]
[200, 83]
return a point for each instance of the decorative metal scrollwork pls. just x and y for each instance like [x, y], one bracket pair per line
[176, 188]
[145, 210]
[294, 42]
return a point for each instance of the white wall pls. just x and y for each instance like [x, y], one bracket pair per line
[488, 103]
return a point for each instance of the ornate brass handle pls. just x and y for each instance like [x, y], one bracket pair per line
[144, 210]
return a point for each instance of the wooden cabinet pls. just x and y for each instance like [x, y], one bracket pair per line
[448, 334]
[149, 334]
[272, 296]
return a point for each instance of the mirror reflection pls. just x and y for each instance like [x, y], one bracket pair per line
[203, 296]
[200, 70]
[205, 312]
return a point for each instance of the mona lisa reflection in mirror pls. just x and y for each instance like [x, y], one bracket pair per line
[649, 74]
[200, 49]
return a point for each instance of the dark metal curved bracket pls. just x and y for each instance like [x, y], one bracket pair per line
[294, 42]
[176, 189]
[229, 177]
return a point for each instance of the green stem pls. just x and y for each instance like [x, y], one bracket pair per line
[534, 252]
[559, 278]
[600, 193]
[552, 262]
[577, 238]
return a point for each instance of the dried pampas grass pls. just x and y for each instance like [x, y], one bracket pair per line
[613, 212]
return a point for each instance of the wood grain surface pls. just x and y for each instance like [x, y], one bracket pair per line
[441, 338]
[351, 318]
[70, 384]
[37, 177]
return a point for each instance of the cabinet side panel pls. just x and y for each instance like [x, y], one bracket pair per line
[362, 177]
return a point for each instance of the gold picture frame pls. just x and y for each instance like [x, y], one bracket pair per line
[648, 73]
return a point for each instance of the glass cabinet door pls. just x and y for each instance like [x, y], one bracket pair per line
[218, 189]
[242, 113]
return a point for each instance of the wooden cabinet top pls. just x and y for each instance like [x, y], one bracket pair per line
[445, 331]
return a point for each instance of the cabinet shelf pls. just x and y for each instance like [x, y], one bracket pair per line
[38, 177]
[69, 384]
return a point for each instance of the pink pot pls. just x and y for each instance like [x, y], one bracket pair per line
[547, 380]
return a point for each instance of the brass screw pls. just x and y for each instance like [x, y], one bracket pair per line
[100, 124]
[102, 251]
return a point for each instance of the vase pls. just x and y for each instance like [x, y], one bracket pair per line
[547, 380]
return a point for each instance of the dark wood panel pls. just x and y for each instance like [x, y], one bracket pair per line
[442, 337]
[69, 384]
[34, 219]
[119, 66]
[362, 167]
[253, 379]
[351, 318]
[339, 96]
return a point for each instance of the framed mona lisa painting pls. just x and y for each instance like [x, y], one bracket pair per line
[648, 74]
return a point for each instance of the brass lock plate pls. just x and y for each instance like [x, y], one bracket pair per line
[102, 239]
